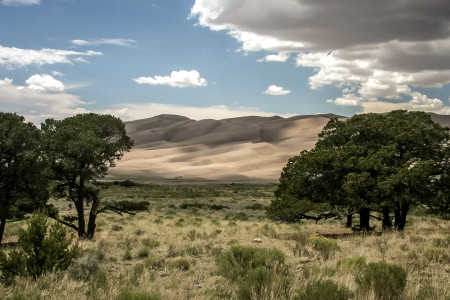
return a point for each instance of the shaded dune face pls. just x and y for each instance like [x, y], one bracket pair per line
[236, 149]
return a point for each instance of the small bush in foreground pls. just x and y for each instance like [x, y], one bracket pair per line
[44, 248]
[261, 273]
[324, 289]
[387, 280]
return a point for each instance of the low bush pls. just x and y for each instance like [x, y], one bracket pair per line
[324, 289]
[255, 206]
[260, 273]
[150, 243]
[357, 263]
[325, 247]
[386, 280]
[43, 248]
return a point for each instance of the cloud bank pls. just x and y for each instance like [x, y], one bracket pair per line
[181, 79]
[11, 57]
[375, 51]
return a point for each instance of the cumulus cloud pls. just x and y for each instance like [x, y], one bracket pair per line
[380, 49]
[276, 90]
[44, 83]
[12, 58]
[180, 79]
[116, 42]
[20, 2]
[41, 98]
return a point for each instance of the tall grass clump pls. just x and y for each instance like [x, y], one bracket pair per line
[260, 273]
[387, 281]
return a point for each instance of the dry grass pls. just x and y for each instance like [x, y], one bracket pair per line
[171, 251]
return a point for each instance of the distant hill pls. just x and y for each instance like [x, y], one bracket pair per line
[235, 150]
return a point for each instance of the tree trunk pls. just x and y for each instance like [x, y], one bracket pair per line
[387, 223]
[364, 219]
[400, 216]
[92, 219]
[81, 223]
[2, 229]
[349, 222]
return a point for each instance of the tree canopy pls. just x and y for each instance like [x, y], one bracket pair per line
[370, 162]
[81, 149]
[23, 170]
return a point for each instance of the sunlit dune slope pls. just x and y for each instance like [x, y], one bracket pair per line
[237, 149]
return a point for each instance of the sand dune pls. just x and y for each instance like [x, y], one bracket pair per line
[237, 149]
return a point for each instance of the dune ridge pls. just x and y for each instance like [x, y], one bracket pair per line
[233, 150]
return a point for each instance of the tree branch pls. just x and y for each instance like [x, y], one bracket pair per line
[68, 224]
[116, 210]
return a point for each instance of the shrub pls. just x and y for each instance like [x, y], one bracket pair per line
[44, 248]
[357, 263]
[387, 280]
[324, 289]
[442, 242]
[325, 247]
[127, 294]
[116, 227]
[240, 259]
[262, 283]
[84, 268]
[150, 243]
[260, 273]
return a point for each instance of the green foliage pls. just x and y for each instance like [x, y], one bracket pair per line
[386, 280]
[324, 289]
[127, 294]
[356, 264]
[241, 216]
[24, 171]
[367, 162]
[324, 246]
[255, 206]
[81, 149]
[44, 248]
[150, 243]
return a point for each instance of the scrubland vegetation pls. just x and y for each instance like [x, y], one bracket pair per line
[197, 242]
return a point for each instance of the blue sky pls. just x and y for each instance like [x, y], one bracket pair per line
[223, 58]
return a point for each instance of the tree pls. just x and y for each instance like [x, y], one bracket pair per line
[370, 162]
[81, 149]
[24, 174]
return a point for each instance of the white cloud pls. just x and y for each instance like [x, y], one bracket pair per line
[380, 49]
[347, 100]
[180, 79]
[276, 90]
[422, 102]
[129, 111]
[116, 42]
[38, 104]
[44, 83]
[20, 2]
[11, 57]
[279, 57]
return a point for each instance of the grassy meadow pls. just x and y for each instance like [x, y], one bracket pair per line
[178, 250]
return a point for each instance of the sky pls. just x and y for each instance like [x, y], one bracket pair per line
[223, 58]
